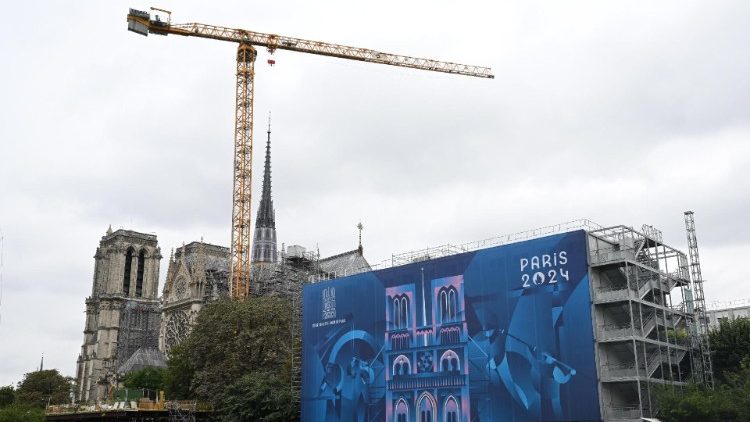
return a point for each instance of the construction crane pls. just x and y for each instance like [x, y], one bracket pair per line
[142, 23]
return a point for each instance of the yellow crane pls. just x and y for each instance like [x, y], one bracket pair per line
[141, 22]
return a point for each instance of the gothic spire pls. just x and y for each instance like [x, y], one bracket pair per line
[264, 238]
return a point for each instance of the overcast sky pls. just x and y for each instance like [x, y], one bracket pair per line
[619, 112]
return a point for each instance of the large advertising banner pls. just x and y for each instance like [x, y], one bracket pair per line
[499, 334]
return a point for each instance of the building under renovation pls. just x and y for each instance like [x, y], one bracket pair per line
[586, 328]
[197, 274]
[128, 327]
[122, 313]
[649, 323]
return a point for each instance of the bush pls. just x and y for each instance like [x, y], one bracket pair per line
[14, 413]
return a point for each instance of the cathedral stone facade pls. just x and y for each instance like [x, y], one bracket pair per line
[197, 274]
[122, 313]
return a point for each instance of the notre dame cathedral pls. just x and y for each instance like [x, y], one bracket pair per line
[129, 327]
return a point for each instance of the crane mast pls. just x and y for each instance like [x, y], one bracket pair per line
[142, 23]
[699, 302]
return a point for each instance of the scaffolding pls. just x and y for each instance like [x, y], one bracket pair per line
[181, 411]
[139, 328]
[646, 319]
[449, 249]
[286, 279]
[646, 329]
[699, 303]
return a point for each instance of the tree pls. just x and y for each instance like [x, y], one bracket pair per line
[730, 344]
[148, 378]
[178, 377]
[7, 396]
[238, 355]
[42, 387]
[730, 401]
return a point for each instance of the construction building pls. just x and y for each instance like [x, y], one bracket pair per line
[647, 326]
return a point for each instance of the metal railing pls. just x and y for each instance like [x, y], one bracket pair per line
[632, 411]
[451, 249]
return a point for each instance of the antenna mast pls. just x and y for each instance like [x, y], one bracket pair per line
[699, 301]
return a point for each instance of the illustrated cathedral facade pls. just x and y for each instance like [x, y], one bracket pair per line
[426, 351]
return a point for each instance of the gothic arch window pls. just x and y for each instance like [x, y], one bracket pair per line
[452, 304]
[402, 411]
[404, 312]
[451, 410]
[397, 312]
[126, 273]
[443, 306]
[449, 361]
[139, 273]
[401, 366]
[426, 408]
[448, 298]
[400, 311]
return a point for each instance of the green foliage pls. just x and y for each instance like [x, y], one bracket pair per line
[258, 396]
[7, 396]
[238, 356]
[680, 334]
[178, 377]
[148, 378]
[697, 404]
[42, 387]
[730, 401]
[16, 413]
[730, 344]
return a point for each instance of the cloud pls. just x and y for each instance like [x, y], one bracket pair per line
[622, 113]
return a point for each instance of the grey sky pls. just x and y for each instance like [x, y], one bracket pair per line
[620, 112]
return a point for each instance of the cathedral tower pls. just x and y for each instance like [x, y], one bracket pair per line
[264, 238]
[122, 313]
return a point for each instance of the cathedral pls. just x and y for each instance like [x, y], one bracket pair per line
[129, 327]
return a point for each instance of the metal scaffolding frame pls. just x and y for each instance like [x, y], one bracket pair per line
[644, 335]
[699, 302]
[139, 328]
[286, 279]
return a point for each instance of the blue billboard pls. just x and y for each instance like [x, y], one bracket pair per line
[499, 334]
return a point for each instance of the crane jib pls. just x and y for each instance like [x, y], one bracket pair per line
[141, 23]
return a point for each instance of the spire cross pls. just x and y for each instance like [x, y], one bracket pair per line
[360, 227]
